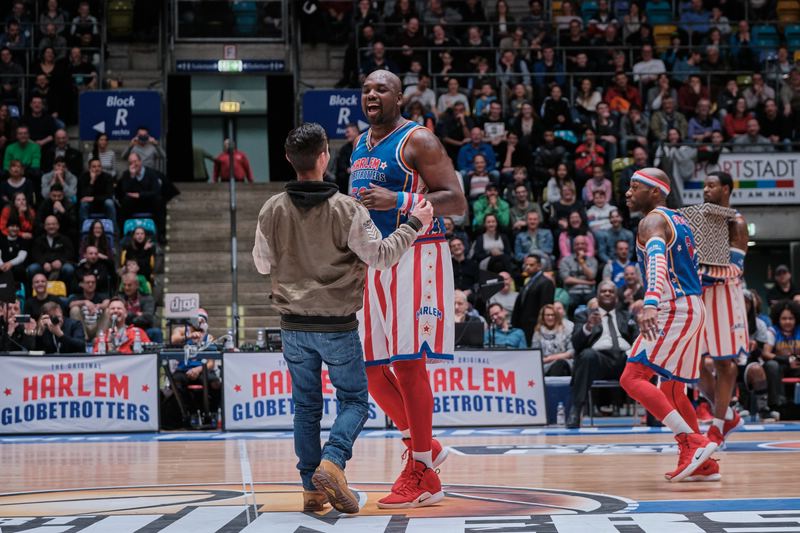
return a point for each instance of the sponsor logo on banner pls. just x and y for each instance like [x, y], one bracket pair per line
[258, 394]
[87, 394]
[489, 388]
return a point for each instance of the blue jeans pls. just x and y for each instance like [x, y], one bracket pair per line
[304, 353]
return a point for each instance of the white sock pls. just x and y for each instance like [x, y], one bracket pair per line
[718, 423]
[676, 423]
[728, 414]
[424, 457]
[406, 433]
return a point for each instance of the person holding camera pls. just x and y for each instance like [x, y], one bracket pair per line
[19, 329]
[56, 334]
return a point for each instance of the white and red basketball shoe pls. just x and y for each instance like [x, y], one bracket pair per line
[438, 453]
[715, 435]
[708, 471]
[419, 488]
[693, 450]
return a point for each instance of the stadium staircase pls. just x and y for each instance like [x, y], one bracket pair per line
[197, 256]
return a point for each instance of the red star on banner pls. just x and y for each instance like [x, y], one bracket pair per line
[7, 392]
[145, 388]
[531, 383]
[237, 388]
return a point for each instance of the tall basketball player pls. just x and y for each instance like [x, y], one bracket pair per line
[672, 321]
[407, 317]
[726, 335]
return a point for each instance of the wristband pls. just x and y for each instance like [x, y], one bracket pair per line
[407, 201]
[737, 258]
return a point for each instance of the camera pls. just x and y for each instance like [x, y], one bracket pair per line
[55, 320]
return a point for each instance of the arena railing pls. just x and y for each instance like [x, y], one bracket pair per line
[225, 21]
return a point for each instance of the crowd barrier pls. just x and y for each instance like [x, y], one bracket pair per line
[120, 393]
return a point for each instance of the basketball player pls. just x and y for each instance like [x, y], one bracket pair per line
[671, 321]
[408, 310]
[726, 337]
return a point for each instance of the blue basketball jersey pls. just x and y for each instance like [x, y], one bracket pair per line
[682, 264]
[382, 163]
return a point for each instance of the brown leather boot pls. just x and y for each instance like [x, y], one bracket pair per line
[313, 500]
[329, 478]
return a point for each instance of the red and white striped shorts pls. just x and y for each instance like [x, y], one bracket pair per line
[726, 321]
[409, 309]
[675, 354]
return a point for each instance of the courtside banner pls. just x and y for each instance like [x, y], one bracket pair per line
[258, 394]
[488, 388]
[78, 394]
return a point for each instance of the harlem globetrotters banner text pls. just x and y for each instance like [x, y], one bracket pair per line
[759, 179]
[78, 394]
[477, 388]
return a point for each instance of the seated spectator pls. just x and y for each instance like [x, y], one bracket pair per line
[141, 248]
[687, 66]
[752, 141]
[588, 155]
[88, 306]
[120, 335]
[514, 40]
[726, 99]
[534, 240]
[781, 351]
[576, 227]
[634, 129]
[139, 190]
[451, 231]
[41, 125]
[52, 39]
[690, 94]
[106, 156]
[507, 295]
[454, 129]
[11, 76]
[130, 266]
[56, 334]
[451, 97]
[52, 254]
[39, 296]
[422, 93]
[621, 96]
[102, 269]
[13, 251]
[702, 124]
[587, 99]
[59, 206]
[758, 93]
[548, 71]
[496, 133]
[695, 20]
[640, 161]
[17, 183]
[477, 179]
[101, 240]
[632, 289]
[241, 165]
[465, 269]
[743, 53]
[606, 127]
[512, 69]
[537, 290]
[555, 108]
[599, 214]
[602, 337]
[578, 272]
[554, 338]
[666, 118]
[490, 203]
[61, 148]
[491, 248]
[662, 90]
[598, 182]
[28, 153]
[195, 330]
[646, 71]
[521, 207]
[54, 15]
[735, 123]
[140, 308]
[607, 240]
[552, 191]
[678, 160]
[18, 212]
[476, 146]
[62, 176]
[96, 192]
[774, 125]
[548, 156]
[500, 332]
[463, 313]
[567, 204]
[519, 176]
[783, 288]
[147, 148]
[615, 269]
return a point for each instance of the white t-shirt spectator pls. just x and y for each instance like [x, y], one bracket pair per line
[447, 100]
[427, 98]
[648, 71]
[599, 217]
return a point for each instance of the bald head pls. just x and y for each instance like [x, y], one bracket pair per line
[381, 99]
[386, 78]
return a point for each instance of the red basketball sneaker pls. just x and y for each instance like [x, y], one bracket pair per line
[708, 471]
[438, 453]
[715, 435]
[693, 450]
[420, 487]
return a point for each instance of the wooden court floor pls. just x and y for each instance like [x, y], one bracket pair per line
[506, 482]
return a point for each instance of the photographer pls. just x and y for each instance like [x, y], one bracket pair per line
[56, 334]
[19, 332]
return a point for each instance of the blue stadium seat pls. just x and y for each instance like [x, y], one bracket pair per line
[108, 225]
[765, 39]
[792, 35]
[132, 223]
[659, 12]
[588, 10]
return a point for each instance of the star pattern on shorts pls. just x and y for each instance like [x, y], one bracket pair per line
[426, 329]
[237, 388]
[7, 392]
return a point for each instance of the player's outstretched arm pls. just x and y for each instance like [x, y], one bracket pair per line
[426, 154]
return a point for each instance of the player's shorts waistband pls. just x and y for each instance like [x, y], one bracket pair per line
[427, 239]
[319, 324]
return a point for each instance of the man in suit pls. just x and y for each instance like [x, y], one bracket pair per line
[57, 334]
[602, 338]
[139, 191]
[537, 292]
